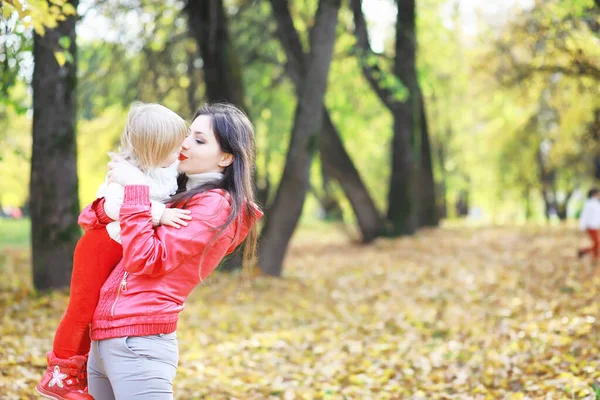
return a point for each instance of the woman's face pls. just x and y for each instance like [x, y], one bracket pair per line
[200, 152]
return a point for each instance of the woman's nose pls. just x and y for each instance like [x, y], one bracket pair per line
[185, 145]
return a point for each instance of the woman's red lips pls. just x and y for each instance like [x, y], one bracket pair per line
[182, 157]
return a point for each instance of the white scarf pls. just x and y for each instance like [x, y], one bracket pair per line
[200, 179]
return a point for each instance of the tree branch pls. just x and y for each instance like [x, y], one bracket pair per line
[290, 41]
[371, 71]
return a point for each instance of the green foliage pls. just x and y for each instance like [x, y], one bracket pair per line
[482, 94]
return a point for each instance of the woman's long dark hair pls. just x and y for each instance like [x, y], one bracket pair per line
[235, 135]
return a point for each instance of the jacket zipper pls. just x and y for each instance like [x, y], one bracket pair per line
[122, 288]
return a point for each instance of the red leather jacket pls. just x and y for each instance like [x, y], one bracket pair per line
[161, 266]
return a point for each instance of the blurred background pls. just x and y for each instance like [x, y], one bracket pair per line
[503, 122]
[435, 110]
[457, 114]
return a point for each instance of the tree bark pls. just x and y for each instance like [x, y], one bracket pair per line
[53, 188]
[339, 165]
[284, 213]
[329, 202]
[429, 210]
[404, 196]
[221, 68]
[462, 204]
[222, 71]
[334, 157]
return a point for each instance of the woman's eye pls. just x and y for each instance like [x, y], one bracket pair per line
[199, 141]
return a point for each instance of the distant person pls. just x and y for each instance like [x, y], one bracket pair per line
[589, 221]
[151, 141]
[16, 213]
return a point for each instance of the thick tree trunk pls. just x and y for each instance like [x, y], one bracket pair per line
[339, 165]
[191, 89]
[222, 71]
[404, 196]
[53, 188]
[221, 67]
[428, 210]
[334, 157]
[284, 213]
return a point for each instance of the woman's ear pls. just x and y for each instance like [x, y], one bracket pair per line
[226, 160]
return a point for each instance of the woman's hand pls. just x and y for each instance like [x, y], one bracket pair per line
[124, 173]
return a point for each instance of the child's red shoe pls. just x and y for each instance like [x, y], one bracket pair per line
[65, 379]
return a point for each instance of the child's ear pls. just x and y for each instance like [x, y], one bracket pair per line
[226, 160]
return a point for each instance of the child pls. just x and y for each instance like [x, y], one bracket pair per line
[589, 221]
[151, 140]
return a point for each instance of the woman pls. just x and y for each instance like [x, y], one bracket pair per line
[134, 351]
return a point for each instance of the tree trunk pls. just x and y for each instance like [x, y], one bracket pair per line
[462, 205]
[191, 89]
[53, 188]
[594, 132]
[331, 205]
[562, 208]
[340, 166]
[221, 67]
[284, 213]
[428, 210]
[334, 157]
[548, 181]
[222, 71]
[404, 196]
[528, 206]
[443, 185]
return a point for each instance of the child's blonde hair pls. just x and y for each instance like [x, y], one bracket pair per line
[151, 134]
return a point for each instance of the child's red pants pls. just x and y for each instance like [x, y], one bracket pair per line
[96, 254]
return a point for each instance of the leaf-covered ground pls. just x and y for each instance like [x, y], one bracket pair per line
[454, 313]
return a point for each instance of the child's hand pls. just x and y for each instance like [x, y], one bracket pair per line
[124, 173]
[175, 217]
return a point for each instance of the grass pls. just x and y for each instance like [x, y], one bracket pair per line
[14, 233]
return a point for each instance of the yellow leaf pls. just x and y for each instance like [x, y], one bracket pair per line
[60, 57]
[39, 28]
[18, 6]
[583, 392]
[6, 11]
[184, 81]
[68, 9]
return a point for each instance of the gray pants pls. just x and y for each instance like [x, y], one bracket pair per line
[134, 367]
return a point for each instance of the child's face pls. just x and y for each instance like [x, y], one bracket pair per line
[170, 159]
